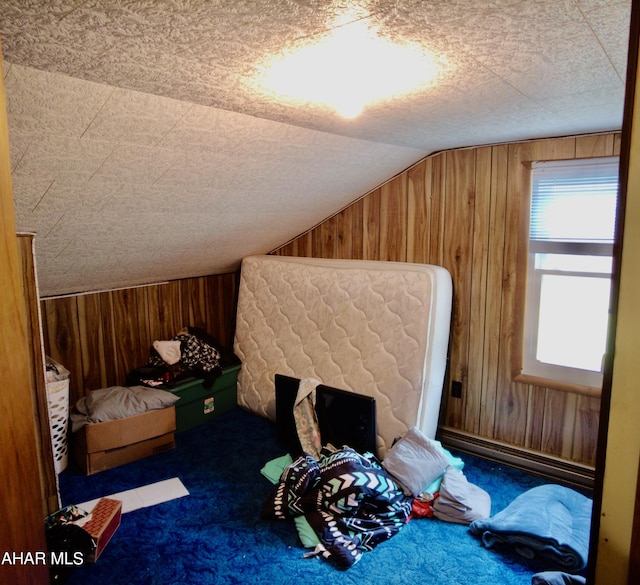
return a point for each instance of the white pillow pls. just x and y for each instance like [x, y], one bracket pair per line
[415, 461]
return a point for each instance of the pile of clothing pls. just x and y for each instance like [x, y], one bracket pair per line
[349, 501]
[345, 503]
[190, 353]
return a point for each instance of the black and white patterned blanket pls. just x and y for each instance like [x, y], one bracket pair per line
[351, 503]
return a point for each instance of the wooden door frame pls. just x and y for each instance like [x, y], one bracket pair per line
[22, 526]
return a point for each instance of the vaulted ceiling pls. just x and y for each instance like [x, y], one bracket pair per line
[144, 149]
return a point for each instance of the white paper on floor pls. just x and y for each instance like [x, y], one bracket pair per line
[142, 497]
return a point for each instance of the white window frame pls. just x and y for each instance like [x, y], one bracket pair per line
[531, 366]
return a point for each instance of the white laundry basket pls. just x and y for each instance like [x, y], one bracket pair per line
[57, 377]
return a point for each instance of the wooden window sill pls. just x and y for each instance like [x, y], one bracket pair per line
[593, 391]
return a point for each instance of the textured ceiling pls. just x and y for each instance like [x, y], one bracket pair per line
[142, 149]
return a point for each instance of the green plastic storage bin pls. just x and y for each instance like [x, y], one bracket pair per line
[198, 405]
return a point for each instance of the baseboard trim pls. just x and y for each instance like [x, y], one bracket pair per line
[526, 459]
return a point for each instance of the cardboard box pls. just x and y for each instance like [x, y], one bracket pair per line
[104, 521]
[101, 446]
[198, 404]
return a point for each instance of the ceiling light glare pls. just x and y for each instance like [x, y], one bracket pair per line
[349, 69]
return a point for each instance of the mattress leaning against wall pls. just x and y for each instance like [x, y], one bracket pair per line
[373, 327]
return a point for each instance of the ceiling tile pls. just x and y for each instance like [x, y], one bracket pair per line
[127, 116]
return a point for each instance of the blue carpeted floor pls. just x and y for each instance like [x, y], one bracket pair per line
[215, 535]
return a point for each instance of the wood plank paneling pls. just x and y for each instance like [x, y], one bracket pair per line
[344, 242]
[586, 435]
[458, 258]
[371, 226]
[144, 321]
[594, 146]
[92, 342]
[101, 337]
[357, 230]
[193, 290]
[128, 352]
[171, 314]
[304, 245]
[559, 422]
[324, 239]
[393, 220]
[558, 149]
[110, 341]
[419, 212]
[512, 397]
[63, 341]
[222, 294]
[478, 293]
[438, 207]
[535, 419]
[154, 315]
[467, 210]
[493, 309]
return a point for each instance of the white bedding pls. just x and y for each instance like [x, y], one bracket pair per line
[378, 328]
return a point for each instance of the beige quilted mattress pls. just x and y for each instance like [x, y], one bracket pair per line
[377, 328]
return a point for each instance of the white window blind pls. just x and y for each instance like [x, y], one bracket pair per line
[574, 201]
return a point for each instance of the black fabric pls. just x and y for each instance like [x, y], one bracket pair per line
[201, 356]
[195, 354]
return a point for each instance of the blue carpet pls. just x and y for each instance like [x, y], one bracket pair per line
[215, 535]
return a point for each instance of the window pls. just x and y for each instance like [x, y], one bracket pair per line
[573, 208]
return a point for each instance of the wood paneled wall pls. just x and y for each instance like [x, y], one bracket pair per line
[101, 337]
[467, 210]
